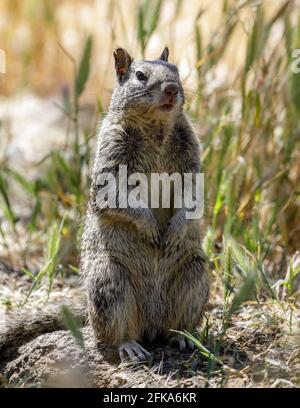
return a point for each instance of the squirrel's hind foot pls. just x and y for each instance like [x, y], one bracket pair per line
[182, 343]
[133, 351]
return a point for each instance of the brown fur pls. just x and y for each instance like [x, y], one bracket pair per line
[144, 269]
[138, 288]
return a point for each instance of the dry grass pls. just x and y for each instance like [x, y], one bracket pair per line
[260, 349]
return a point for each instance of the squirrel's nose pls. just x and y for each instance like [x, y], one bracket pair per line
[171, 89]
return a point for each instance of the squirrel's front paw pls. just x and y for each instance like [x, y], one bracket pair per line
[154, 240]
[134, 352]
[151, 234]
[172, 240]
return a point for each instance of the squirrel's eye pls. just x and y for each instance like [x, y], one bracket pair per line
[140, 76]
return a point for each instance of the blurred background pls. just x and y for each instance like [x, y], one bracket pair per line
[32, 33]
[235, 61]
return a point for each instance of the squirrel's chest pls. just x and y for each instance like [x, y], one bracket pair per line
[153, 159]
[155, 156]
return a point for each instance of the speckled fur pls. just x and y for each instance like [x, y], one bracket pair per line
[144, 269]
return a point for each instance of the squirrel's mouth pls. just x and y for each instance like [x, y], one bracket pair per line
[167, 107]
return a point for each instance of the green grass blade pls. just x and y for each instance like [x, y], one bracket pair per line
[72, 324]
[84, 68]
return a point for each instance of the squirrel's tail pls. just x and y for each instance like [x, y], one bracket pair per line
[19, 327]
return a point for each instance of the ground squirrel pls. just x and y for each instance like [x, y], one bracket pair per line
[143, 268]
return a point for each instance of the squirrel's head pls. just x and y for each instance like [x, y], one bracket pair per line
[149, 89]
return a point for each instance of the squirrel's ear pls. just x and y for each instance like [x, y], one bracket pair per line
[165, 54]
[122, 62]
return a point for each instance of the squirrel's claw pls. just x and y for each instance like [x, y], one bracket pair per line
[134, 352]
[155, 240]
[152, 235]
[171, 243]
[182, 343]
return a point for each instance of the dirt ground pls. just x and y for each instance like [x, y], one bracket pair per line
[258, 350]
